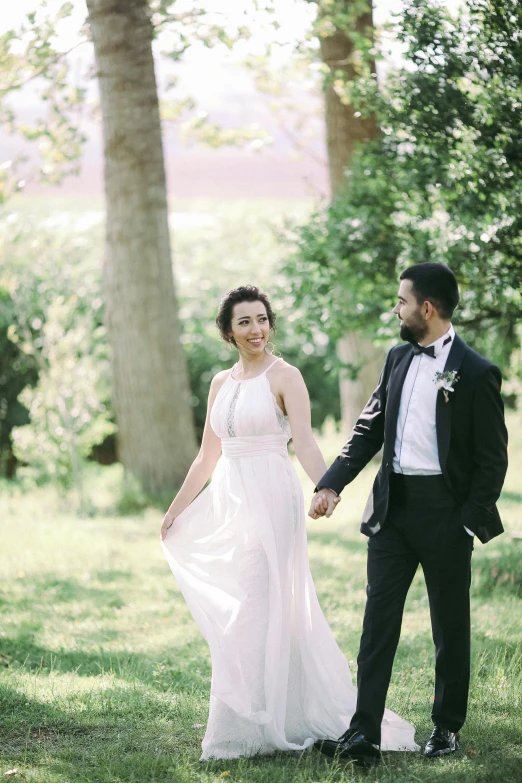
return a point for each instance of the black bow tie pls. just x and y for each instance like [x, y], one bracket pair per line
[430, 350]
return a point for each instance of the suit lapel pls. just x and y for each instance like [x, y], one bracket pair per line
[443, 408]
[397, 377]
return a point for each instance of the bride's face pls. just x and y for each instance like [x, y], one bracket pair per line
[250, 327]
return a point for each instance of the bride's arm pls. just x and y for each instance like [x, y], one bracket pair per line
[202, 467]
[297, 404]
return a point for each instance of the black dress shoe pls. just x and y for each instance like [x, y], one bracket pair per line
[352, 745]
[441, 742]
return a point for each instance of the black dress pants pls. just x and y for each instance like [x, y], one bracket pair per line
[422, 526]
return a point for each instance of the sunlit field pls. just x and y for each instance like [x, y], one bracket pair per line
[104, 677]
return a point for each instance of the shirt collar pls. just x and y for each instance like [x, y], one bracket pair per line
[439, 346]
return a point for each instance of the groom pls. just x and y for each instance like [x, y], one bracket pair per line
[438, 413]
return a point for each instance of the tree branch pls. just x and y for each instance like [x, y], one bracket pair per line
[40, 71]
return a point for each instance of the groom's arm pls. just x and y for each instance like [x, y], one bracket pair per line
[365, 441]
[490, 457]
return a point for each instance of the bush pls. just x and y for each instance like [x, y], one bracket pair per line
[56, 393]
[67, 413]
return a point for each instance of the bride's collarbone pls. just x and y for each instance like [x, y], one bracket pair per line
[237, 374]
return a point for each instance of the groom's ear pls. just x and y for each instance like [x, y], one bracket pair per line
[429, 311]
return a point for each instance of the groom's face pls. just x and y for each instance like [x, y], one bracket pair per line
[413, 327]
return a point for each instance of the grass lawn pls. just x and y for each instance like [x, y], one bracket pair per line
[104, 677]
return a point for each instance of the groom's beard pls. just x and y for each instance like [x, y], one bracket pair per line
[413, 333]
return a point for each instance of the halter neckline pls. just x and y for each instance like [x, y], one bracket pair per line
[244, 380]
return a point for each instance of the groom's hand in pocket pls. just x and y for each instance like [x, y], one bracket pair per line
[323, 503]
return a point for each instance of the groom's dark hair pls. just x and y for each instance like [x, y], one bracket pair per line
[434, 283]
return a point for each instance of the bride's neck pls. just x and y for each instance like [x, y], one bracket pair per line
[251, 364]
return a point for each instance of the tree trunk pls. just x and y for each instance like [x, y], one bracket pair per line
[156, 440]
[351, 349]
[343, 131]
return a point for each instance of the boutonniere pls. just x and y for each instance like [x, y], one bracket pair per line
[446, 381]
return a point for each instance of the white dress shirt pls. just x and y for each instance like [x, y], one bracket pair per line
[416, 451]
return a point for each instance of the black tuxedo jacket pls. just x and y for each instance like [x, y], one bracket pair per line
[471, 437]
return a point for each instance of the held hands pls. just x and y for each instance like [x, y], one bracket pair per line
[167, 522]
[323, 503]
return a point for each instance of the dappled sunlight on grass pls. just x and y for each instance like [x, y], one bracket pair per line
[104, 676]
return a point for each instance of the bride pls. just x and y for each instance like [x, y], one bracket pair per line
[239, 553]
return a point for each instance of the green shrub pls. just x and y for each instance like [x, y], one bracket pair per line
[67, 413]
[56, 394]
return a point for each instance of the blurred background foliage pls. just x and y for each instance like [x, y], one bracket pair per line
[218, 257]
[51, 324]
[440, 182]
[54, 378]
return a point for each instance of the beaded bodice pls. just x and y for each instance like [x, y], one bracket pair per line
[248, 408]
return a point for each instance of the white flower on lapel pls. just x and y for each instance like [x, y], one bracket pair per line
[445, 381]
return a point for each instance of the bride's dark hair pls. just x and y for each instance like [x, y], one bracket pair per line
[245, 293]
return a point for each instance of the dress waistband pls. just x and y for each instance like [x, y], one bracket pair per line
[254, 446]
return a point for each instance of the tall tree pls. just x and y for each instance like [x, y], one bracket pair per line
[151, 391]
[442, 183]
[346, 38]
[150, 379]
[343, 27]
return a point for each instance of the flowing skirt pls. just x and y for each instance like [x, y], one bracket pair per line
[239, 554]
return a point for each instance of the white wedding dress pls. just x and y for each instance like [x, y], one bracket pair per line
[239, 554]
